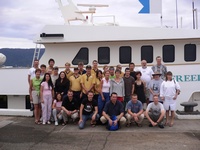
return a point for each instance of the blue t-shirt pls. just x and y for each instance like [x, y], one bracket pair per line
[134, 107]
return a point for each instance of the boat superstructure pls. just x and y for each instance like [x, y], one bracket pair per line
[111, 44]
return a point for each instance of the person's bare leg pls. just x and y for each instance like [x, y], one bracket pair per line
[36, 113]
[167, 117]
[172, 118]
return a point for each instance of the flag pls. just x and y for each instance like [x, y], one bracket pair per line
[151, 6]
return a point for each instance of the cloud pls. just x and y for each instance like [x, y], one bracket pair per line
[21, 19]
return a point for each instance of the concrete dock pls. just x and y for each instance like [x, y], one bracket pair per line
[21, 133]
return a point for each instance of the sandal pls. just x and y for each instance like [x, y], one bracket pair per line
[128, 124]
[139, 125]
[37, 122]
[171, 124]
[93, 124]
[166, 124]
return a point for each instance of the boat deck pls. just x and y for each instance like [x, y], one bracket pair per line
[21, 133]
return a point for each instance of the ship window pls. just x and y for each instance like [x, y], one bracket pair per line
[190, 52]
[104, 55]
[125, 54]
[147, 53]
[3, 101]
[81, 56]
[168, 53]
[27, 102]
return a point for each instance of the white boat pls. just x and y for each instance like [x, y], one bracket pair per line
[109, 44]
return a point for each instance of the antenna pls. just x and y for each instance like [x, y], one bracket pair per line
[92, 9]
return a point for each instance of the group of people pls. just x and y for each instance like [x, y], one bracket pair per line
[111, 96]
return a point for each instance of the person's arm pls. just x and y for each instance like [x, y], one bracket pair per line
[161, 116]
[81, 113]
[162, 91]
[54, 105]
[101, 93]
[29, 79]
[107, 117]
[95, 113]
[133, 87]
[123, 89]
[147, 116]
[41, 93]
[111, 87]
[144, 86]
[83, 86]
[30, 90]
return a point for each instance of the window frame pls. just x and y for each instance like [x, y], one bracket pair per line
[78, 54]
[174, 53]
[127, 62]
[141, 52]
[190, 50]
[99, 61]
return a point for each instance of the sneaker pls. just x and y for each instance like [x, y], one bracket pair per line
[150, 125]
[161, 126]
[56, 123]
[43, 122]
[48, 122]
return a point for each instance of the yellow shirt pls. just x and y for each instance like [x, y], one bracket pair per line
[97, 85]
[49, 70]
[75, 83]
[93, 72]
[87, 82]
[69, 73]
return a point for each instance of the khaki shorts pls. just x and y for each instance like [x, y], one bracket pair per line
[36, 97]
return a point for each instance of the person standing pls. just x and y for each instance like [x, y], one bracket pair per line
[135, 111]
[104, 95]
[51, 63]
[46, 95]
[54, 75]
[117, 86]
[62, 84]
[87, 82]
[113, 108]
[155, 113]
[159, 67]
[34, 91]
[169, 92]
[139, 88]
[43, 70]
[154, 86]
[94, 67]
[146, 72]
[119, 67]
[112, 72]
[132, 72]
[129, 83]
[57, 110]
[31, 71]
[80, 67]
[98, 79]
[75, 85]
[31, 75]
[88, 110]
[67, 71]
[146, 77]
[69, 107]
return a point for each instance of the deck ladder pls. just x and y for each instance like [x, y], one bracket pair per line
[36, 54]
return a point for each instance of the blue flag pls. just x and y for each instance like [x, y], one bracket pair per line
[151, 6]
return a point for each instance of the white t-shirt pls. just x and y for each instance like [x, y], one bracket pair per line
[31, 72]
[146, 74]
[168, 89]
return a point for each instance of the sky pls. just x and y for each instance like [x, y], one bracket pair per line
[21, 20]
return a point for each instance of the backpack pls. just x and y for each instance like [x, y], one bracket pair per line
[113, 127]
